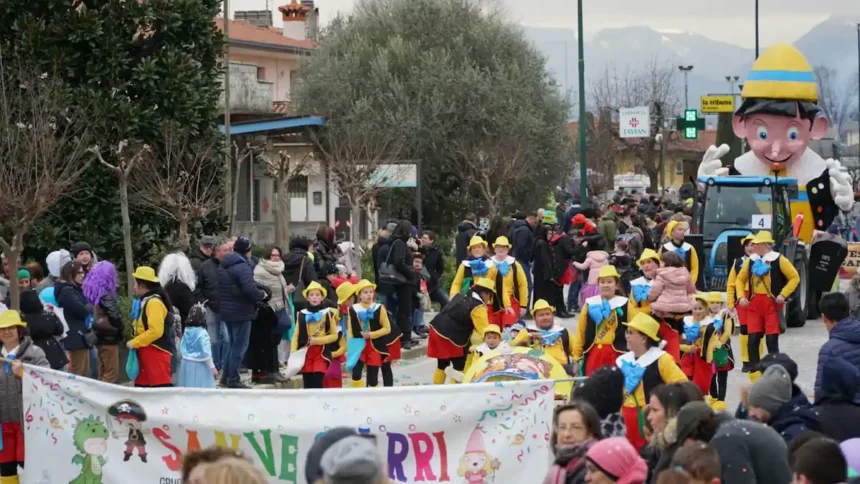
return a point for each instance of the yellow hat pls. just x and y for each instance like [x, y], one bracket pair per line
[10, 318]
[702, 296]
[648, 254]
[345, 291]
[486, 284]
[549, 218]
[362, 285]
[763, 237]
[502, 242]
[476, 240]
[781, 72]
[314, 286]
[145, 273]
[646, 325]
[747, 239]
[541, 305]
[493, 328]
[608, 271]
[715, 298]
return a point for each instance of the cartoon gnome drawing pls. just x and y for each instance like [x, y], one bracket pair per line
[476, 465]
[131, 415]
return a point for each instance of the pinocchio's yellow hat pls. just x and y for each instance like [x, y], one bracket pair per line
[608, 271]
[486, 284]
[701, 296]
[476, 240]
[345, 291]
[648, 254]
[715, 298]
[502, 242]
[781, 72]
[763, 237]
[646, 325]
[362, 285]
[492, 329]
[748, 238]
[314, 286]
[541, 305]
[10, 318]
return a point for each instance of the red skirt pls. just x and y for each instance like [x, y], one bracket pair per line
[504, 319]
[154, 367]
[700, 371]
[13, 444]
[631, 421]
[334, 375]
[441, 348]
[598, 356]
[672, 339]
[394, 351]
[314, 361]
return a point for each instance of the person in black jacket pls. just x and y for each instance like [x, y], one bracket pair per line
[523, 239]
[44, 326]
[200, 254]
[834, 402]
[178, 279]
[76, 309]
[100, 288]
[434, 261]
[299, 270]
[465, 231]
[207, 292]
[543, 267]
[401, 259]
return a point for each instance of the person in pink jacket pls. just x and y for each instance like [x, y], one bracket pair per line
[673, 287]
[593, 262]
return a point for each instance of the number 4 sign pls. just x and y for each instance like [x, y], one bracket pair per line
[761, 222]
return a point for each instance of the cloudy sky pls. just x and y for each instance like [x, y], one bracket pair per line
[732, 21]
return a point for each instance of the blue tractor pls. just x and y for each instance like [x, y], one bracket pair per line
[739, 205]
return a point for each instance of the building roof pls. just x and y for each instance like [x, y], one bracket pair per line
[700, 144]
[243, 34]
[268, 125]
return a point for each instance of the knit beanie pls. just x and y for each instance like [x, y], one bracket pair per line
[618, 459]
[313, 463]
[242, 245]
[353, 460]
[23, 274]
[56, 260]
[603, 390]
[80, 247]
[781, 359]
[772, 390]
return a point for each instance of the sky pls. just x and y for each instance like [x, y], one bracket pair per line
[732, 21]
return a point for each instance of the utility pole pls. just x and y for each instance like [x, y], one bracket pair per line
[686, 70]
[583, 151]
[228, 152]
[858, 78]
[756, 29]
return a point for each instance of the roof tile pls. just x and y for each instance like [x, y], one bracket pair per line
[243, 31]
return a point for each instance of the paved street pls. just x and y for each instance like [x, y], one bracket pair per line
[801, 344]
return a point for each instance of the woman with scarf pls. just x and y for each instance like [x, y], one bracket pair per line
[575, 429]
[273, 320]
[476, 264]
[645, 367]
[100, 288]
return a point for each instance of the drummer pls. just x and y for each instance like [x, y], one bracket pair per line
[543, 333]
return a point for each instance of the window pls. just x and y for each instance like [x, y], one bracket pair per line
[297, 187]
[679, 168]
[261, 73]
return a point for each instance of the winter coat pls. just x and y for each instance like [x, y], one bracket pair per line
[750, 453]
[593, 262]
[197, 258]
[297, 262]
[671, 290]
[76, 309]
[607, 227]
[11, 401]
[271, 275]
[465, 231]
[435, 264]
[207, 284]
[383, 241]
[401, 258]
[834, 402]
[325, 254]
[523, 239]
[109, 307]
[181, 297]
[43, 326]
[563, 251]
[237, 291]
[794, 418]
[844, 343]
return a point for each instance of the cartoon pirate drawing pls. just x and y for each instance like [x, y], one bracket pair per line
[129, 414]
[779, 116]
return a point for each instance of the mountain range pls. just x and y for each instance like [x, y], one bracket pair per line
[832, 43]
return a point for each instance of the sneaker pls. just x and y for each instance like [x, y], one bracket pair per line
[421, 335]
[277, 377]
[238, 386]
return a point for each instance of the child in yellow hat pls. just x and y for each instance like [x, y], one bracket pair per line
[316, 329]
[724, 361]
[551, 338]
[511, 286]
[675, 231]
[476, 264]
[492, 341]
[697, 345]
[735, 292]
[599, 337]
[648, 263]
[345, 297]
[369, 320]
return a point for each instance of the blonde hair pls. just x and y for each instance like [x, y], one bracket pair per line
[233, 470]
[461, 471]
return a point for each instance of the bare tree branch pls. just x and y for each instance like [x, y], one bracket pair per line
[283, 169]
[836, 97]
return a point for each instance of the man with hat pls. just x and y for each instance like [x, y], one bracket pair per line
[83, 253]
[733, 293]
[201, 253]
[770, 401]
[767, 279]
[511, 286]
[553, 339]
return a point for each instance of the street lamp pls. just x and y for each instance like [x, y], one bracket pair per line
[732, 80]
[583, 169]
[756, 29]
[686, 70]
[858, 74]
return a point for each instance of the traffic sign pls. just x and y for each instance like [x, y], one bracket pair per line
[690, 124]
[718, 104]
[634, 122]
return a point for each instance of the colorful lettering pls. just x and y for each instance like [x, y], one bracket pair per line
[398, 449]
[221, 440]
[423, 470]
[289, 457]
[443, 456]
[193, 442]
[267, 457]
[173, 462]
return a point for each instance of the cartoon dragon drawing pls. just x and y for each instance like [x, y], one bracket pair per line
[90, 438]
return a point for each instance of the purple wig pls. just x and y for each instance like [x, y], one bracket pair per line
[101, 280]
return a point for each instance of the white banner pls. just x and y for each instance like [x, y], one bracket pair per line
[84, 431]
[634, 122]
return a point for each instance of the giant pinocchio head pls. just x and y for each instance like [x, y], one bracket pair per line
[779, 113]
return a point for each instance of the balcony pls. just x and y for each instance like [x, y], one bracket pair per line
[248, 94]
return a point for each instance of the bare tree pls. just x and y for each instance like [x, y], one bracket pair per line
[653, 86]
[128, 156]
[180, 178]
[836, 97]
[43, 152]
[602, 151]
[354, 152]
[282, 169]
[494, 164]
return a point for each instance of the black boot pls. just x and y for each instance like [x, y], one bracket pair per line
[126, 457]
[772, 343]
[142, 458]
[745, 368]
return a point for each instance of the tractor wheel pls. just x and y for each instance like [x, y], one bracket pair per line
[796, 310]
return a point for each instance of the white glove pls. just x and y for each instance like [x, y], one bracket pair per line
[711, 164]
[840, 185]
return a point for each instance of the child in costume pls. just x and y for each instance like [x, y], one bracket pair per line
[455, 328]
[197, 369]
[671, 290]
[645, 367]
[768, 279]
[492, 341]
[675, 231]
[733, 293]
[316, 328]
[369, 320]
[511, 284]
[345, 298]
[551, 338]
[724, 361]
[697, 345]
[594, 261]
[475, 265]
[599, 337]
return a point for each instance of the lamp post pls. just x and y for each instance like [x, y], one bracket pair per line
[686, 70]
[583, 169]
[756, 29]
[732, 80]
[858, 74]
